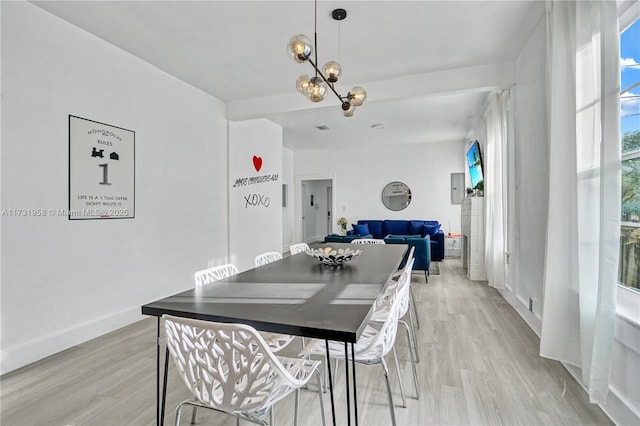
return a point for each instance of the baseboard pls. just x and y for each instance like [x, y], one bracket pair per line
[617, 408]
[517, 303]
[26, 353]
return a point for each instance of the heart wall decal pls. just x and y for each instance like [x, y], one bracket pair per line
[257, 163]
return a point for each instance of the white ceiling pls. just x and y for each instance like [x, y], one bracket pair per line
[427, 66]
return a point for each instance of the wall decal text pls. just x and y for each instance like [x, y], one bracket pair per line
[256, 200]
[255, 179]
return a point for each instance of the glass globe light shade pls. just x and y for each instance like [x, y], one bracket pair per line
[300, 48]
[349, 112]
[332, 71]
[303, 83]
[358, 95]
[317, 90]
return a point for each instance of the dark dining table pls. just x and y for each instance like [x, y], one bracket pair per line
[296, 295]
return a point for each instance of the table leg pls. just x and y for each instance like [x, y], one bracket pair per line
[355, 394]
[158, 374]
[346, 381]
[164, 384]
[333, 408]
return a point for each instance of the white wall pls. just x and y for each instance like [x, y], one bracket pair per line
[288, 234]
[530, 165]
[360, 176]
[64, 281]
[255, 190]
[528, 180]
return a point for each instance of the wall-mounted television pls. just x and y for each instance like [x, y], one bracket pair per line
[474, 159]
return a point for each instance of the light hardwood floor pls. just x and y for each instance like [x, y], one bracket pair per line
[479, 366]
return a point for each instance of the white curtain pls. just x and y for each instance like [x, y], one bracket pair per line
[495, 120]
[583, 233]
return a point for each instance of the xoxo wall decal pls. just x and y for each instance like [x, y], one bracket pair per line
[256, 200]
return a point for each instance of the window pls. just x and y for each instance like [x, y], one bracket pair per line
[629, 268]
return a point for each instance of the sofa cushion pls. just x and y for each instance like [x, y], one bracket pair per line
[361, 229]
[394, 239]
[415, 227]
[404, 237]
[397, 227]
[333, 238]
[375, 227]
[430, 230]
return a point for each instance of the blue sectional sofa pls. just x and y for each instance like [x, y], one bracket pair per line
[421, 253]
[404, 228]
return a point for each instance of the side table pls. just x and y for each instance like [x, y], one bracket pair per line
[453, 245]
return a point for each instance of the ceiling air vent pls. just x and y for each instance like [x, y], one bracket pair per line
[323, 127]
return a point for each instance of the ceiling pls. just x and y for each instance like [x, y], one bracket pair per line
[428, 66]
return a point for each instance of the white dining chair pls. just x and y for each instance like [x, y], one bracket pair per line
[367, 241]
[267, 257]
[298, 248]
[214, 273]
[382, 311]
[275, 341]
[376, 341]
[415, 319]
[229, 368]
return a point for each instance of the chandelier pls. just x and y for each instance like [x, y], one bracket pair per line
[315, 88]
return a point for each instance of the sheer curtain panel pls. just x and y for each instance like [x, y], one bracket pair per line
[496, 119]
[581, 262]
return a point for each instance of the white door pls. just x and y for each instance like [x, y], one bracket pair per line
[304, 197]
[316, 208]
[329, 212]
[457, 188]
[309, 210]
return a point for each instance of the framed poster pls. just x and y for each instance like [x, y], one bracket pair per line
[101, 170]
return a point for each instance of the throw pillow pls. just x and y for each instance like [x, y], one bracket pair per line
[431, 230]
[361, 229]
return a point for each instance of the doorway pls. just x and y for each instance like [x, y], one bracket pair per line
[329, 209]
[315, 207]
